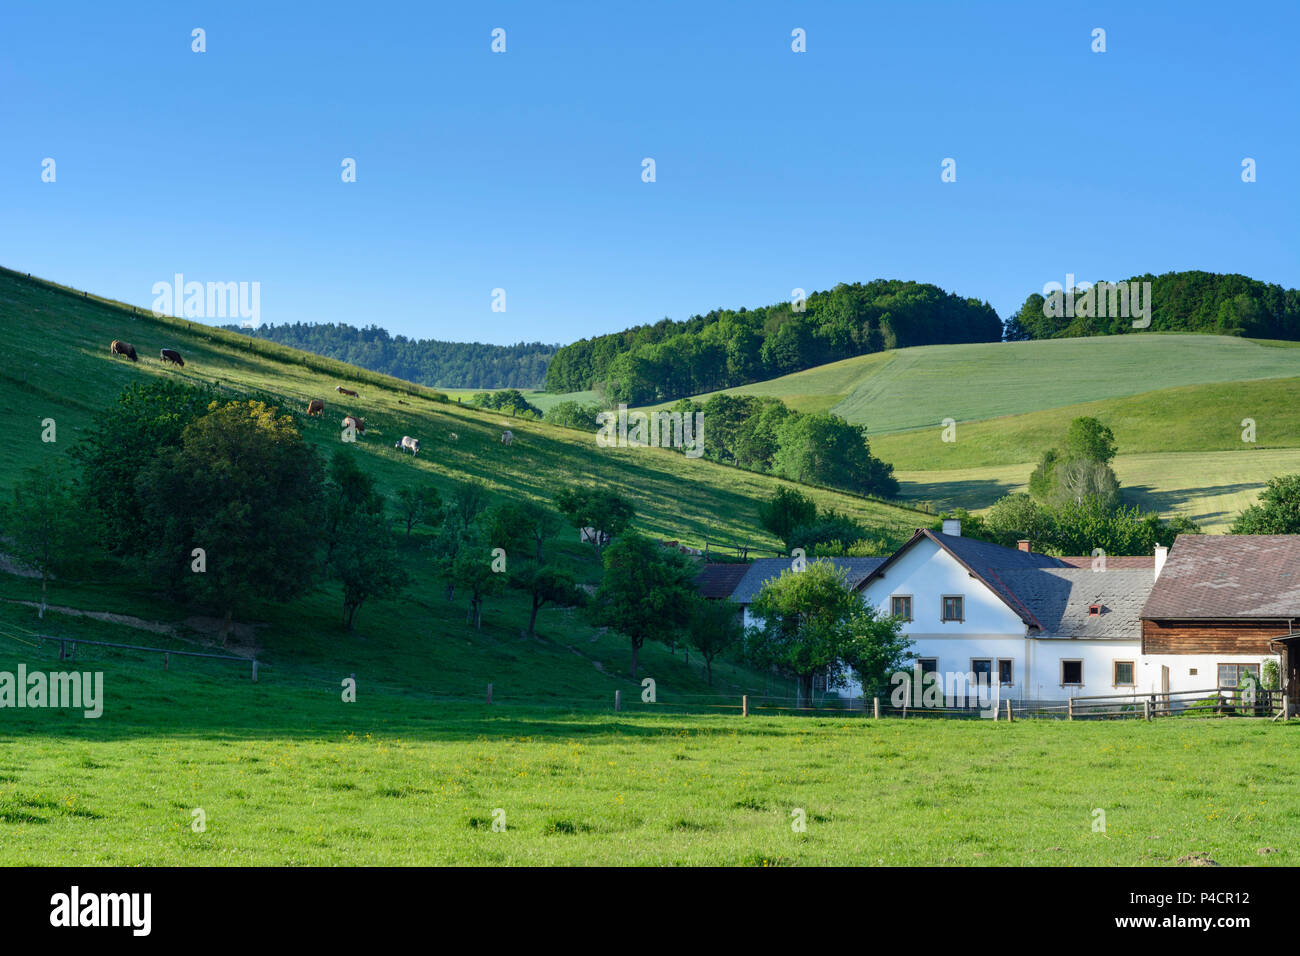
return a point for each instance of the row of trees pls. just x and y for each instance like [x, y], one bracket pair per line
[1180, 302]
[763, 434]
[425, 361]
[725, 348]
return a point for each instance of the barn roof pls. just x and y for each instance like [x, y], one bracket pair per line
[1228, 576]
[767, 569]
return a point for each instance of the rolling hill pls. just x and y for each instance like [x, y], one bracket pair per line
[1175, 402]
[59, 368]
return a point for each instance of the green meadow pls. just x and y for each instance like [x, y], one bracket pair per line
[285, 773]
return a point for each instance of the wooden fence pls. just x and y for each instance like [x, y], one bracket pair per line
[68, 651]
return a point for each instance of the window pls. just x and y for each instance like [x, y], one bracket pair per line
[1191, 671]
[1123, 674]
[901, 606]
[1071, 673]
[982, 668]
[1005, 672]
[1230, 674]
[1094, 610]
[929, 665]
[953, 608]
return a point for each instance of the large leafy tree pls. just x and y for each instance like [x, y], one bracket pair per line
[145, 420]
[246, 489]
[1278, 510]
[364, 560]
[787, 511]
[1089, 439]
[645, 593]
[713, 627]
[827, 450]
[811, 623]
[544, 584]
[41, 525]
[598, 508]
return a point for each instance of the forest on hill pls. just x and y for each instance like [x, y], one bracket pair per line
[424, 361]
[726, 347]
[1191, 301]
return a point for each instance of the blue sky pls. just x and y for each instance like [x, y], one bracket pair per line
[522, 170]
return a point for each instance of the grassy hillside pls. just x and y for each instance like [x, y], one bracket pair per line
[59, 367]
[1175, 403]
[918, 387]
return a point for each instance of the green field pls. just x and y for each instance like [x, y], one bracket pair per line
[919, 387]
[1167, 398]
[286, 774]
[1211, 488]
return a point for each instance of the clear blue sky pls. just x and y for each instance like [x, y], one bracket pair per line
[775, 170]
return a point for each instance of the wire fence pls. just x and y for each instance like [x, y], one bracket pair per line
[66, 652]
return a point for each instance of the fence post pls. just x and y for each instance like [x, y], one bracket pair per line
[618, 700]
[167, 660]
[254, 670]
[1070, 708]
[73, 657]
[1146, 707]
[875, 707]
[489, 693]
[744, 705]
[62, 649]
[1009, 718]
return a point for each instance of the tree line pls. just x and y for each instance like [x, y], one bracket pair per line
[424, 361]
[729, 347]
[1193, 301]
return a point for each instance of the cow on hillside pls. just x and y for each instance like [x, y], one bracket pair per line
[316, 406]
[345, 391]
[507, 437]
[123, 348]
[353, 422]
[171, 355]
[409, 444]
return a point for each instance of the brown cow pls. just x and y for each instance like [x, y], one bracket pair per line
[358, 423]
[344, 391]
[123, 348]
[315, 407]
[171, 355]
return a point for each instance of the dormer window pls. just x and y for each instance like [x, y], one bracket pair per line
[1094, 610]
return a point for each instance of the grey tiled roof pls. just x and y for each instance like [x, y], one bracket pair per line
[1060, 597]
[720, 580]
[766, 569]
[1226, 576]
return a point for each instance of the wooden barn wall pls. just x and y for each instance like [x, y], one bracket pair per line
[1210, 637]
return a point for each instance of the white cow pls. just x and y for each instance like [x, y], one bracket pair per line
[409, 444]
[507, 437]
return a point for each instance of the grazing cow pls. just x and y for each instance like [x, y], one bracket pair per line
[358, 423]
[409, 444]
[171, 355]
[453, 436]
[316, 406]
[507, 437]
[344, 391]
[123, 348]
[400, 402]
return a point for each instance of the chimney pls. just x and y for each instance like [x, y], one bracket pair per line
[1162, 554]
[1023, 544]
[952, 526]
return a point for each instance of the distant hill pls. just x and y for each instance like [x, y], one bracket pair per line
[1191, 301]
[727, 348]
[424, 361]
